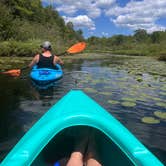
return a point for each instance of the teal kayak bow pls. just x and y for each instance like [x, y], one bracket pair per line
[118, 146]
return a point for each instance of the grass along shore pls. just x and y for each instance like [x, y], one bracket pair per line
[30, 48]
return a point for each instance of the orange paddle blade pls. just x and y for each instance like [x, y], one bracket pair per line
[77, 48]
[13, 72]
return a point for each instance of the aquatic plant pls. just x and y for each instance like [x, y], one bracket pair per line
[150, 120]
[128, 104]
[160, 114]
[161, 104]
[90, 90]
[105, 93]
[113, 102]
[131, 99]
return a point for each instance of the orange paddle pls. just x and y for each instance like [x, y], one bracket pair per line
[76, 48]
[13, 72]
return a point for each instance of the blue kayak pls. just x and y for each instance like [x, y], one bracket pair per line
[49, 141]
[44, 76]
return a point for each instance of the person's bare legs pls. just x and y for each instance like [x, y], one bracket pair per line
[91, 161]
[76, 159]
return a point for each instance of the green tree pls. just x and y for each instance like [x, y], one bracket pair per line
[141, 35]
[70, 26]
[155, 37]
[118, 39]
[6, 24]
[79, 35]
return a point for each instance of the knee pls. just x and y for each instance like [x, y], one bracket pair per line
[93, 162]
[77, 155]
[76, 159]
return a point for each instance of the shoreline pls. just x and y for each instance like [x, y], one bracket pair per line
[7, 62]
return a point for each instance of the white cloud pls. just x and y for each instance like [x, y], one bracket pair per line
[105, 3]
[72, 6]
[139, 14]
[68, 9]
[81, 21]
[94, 12]
[91, 9]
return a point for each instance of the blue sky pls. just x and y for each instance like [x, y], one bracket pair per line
[112, 17]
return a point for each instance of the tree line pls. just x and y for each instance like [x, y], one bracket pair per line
[25, 24]
[140, 43]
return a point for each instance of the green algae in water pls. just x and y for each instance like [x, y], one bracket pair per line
[128, 104]
[160, 114]
[150, 120]
[113, 102]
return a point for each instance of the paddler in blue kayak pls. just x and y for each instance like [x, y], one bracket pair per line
[46, 59]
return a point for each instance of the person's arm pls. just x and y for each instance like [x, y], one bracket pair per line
[34, 61]
[58, 60]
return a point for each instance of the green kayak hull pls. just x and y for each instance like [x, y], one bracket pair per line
[118, 146]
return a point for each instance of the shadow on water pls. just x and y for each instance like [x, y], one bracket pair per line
[132, 89]
[11, 92]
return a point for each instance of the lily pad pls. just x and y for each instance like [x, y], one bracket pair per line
[105, 93]
[163, 93]
[141, 99]
[156, 99]
[129, 99]
[90, 90]
[88, 77]
[163, 88]
[128, 104]
[139, 79]
[113, 101]
[160, 114]
[150, 120]
[84, 81]
[161, 104]
[96, 81]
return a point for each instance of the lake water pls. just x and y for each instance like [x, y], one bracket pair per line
[133, 89]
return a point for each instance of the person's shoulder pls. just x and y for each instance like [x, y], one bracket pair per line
[37, 56]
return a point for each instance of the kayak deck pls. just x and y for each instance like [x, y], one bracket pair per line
[117, 145]
[43, 76]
